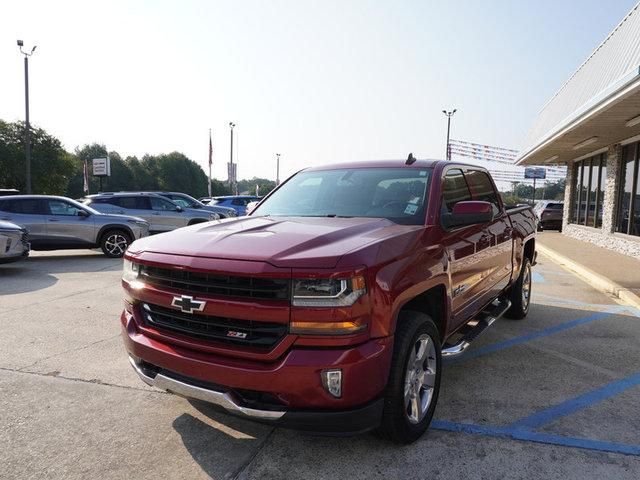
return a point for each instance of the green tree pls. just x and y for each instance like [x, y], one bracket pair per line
[248, 187]
[51, 166]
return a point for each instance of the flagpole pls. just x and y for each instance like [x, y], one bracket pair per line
[210, 161]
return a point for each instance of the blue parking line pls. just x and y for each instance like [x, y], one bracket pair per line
[577, 403]
[532, 336]
[537, 277]
[529, 436]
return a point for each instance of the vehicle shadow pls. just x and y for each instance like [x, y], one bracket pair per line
[14, 279]
[221, 450]
[88, 261]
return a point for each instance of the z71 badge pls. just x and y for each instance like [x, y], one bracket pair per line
[234, 334]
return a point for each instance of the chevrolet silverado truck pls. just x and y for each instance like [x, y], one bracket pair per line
[330, 307]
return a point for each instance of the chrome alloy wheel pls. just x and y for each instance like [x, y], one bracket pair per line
[526, 287]
[116, 244]
[420, 378]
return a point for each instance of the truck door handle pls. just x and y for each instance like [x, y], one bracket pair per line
[54, 220]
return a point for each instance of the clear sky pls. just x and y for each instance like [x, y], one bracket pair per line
[318, 81]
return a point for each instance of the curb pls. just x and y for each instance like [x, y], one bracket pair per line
[594, 279]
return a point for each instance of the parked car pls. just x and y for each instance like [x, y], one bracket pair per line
[237, 202]
[57, 223]
[550, 214]
[162, 214]
[187, 201]
[330, 307]
[14, 243]
[251, 206]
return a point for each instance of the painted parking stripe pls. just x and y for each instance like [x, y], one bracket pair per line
[537, 277]
[529, 436]
[580, 402]
[532, 336]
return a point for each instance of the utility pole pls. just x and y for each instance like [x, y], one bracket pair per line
[449, 115]
[277, 169]
[27, 125]
[232, 179]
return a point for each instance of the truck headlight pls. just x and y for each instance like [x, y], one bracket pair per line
[131, 274]
[327, 292]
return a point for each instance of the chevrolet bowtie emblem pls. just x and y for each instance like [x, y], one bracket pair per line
[187, 304]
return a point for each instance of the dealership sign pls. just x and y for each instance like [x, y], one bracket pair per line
[536, 173]
[101, 167]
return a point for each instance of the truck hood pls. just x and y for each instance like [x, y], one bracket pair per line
[290, 242]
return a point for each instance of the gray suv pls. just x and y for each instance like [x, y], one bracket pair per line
[187, 201]
[162, 214]
[56, 223]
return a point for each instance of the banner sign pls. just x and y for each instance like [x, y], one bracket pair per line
[101, 167]
[536, 173]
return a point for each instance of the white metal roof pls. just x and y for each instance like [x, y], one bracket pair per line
[614, 65]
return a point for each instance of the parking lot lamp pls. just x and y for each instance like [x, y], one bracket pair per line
[277, 169]
[449, 115]
[27, 126]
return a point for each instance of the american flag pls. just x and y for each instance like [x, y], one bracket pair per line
[85, 174]
[210, 150]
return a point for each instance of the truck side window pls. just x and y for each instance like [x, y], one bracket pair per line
[482, 188]
[454, 190]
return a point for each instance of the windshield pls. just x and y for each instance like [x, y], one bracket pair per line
[398, 194]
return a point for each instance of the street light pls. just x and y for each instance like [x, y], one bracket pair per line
[231, 172]
[449, 115]
[277, 169]
[27, 134]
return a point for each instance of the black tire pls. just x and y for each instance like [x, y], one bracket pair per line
[396, 424]
[115, 242]
[195, 222]
[520, 293]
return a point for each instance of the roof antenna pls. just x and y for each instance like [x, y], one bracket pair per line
[410, 160]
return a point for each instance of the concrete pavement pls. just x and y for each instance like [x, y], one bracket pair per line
[552, 396]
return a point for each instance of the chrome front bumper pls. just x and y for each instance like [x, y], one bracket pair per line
[222, 399]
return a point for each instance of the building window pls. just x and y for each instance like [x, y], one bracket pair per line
[589, 191]
[628, 216]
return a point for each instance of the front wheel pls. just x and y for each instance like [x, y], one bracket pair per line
[414, 379]
[114, 243]
[520, 293]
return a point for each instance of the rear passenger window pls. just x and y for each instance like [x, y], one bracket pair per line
[132, 203]
[482, 188]
[28, 206]
[454, 190]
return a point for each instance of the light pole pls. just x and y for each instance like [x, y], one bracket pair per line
[231, 172]
[449, 115]
[277, 169]
[27, 130]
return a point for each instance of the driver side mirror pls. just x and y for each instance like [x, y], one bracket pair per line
[468, 213]
[179, 208]
[83, 213]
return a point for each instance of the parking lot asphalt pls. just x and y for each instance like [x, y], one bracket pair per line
[553, 396]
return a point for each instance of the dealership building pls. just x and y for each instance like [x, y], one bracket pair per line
[592, 125]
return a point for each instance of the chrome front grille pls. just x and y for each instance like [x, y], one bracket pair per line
[220, 329]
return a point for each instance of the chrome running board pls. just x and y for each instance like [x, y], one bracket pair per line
[474, 328]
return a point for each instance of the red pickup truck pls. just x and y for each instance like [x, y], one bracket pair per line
[330, 307]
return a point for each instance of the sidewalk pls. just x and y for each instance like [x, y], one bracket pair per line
[604, 269]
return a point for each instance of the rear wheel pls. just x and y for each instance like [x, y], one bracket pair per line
[114, 243]
[520, 293]
[414, 379]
